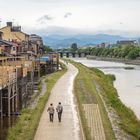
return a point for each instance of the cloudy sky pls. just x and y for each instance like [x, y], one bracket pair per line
[73, 16]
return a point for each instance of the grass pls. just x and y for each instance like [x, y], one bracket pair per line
[34, 96]
[128, 120]
[129, 68]
[86, 92]
[27, 123]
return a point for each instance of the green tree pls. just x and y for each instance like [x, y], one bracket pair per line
[125, 50]
[74, 47]
[133, 54]
[48, 48]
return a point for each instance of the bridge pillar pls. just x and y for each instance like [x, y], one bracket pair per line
[79, 54]
[61, 54]
[67, 54]
[73, 54]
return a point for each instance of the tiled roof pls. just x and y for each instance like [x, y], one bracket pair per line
[7, 43]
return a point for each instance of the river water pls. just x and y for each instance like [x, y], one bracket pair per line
[5, 124]
[127, 81]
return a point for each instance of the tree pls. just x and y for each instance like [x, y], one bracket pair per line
[133, 54]
[74, 47]
[121, 51]
[48, 48]
[125, 50]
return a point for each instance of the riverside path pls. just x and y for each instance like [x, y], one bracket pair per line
[69, 128]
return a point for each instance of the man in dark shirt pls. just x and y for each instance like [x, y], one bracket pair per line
[59, 110]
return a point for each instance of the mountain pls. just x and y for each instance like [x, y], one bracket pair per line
[61, 41]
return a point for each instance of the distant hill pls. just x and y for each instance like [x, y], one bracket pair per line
[61, 41]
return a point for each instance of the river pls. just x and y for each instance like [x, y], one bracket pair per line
[127, 81]
[5, 124]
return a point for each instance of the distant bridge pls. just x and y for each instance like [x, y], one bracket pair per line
[72, 54]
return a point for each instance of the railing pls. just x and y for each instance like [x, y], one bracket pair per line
[7, 75]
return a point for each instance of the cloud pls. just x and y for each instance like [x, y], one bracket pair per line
[44, 19]
[47, 30]
[67, 14]
[60, 30]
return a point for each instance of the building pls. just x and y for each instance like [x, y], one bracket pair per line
[127, 42]
[21, 42]
[36, 44]
[14, 33]
[104, 45]
[1, 33]
[20, 76]
[8, 48]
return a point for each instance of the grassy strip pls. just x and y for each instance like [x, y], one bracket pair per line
[27, 123]
[86, 92]
[128, 120]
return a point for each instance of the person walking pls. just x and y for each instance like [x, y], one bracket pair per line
[59, 110]
[51, 112]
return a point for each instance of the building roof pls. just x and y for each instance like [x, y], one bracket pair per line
[45, 58]
[24, 33]
[7, 43]
[126, 41]
[14, 29]
[3, 27]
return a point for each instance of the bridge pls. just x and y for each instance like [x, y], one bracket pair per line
[72, 54]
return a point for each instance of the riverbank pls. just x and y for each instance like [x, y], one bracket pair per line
[87, 96]
[127, 123]
[27, 123]
[126, 61]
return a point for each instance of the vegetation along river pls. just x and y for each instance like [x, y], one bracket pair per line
[127, 81]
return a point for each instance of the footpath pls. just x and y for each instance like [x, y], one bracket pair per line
[69, 128]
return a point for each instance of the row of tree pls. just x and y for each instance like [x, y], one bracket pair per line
[124, 51]
[117, 51]
[127, 51]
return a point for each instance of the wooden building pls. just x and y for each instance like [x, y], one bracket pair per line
[11, 33]
[18, 76]
[24, 43]
[15, 84]
[19, 68]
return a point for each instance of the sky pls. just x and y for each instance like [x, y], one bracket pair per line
[121, 17]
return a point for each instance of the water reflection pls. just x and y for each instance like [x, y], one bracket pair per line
[127, 81]
[5, 123]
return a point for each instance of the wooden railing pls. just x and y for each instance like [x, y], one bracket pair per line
[7, 75]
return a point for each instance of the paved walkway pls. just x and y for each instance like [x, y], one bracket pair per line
[69, 128]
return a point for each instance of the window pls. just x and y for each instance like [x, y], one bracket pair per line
[14, 48]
